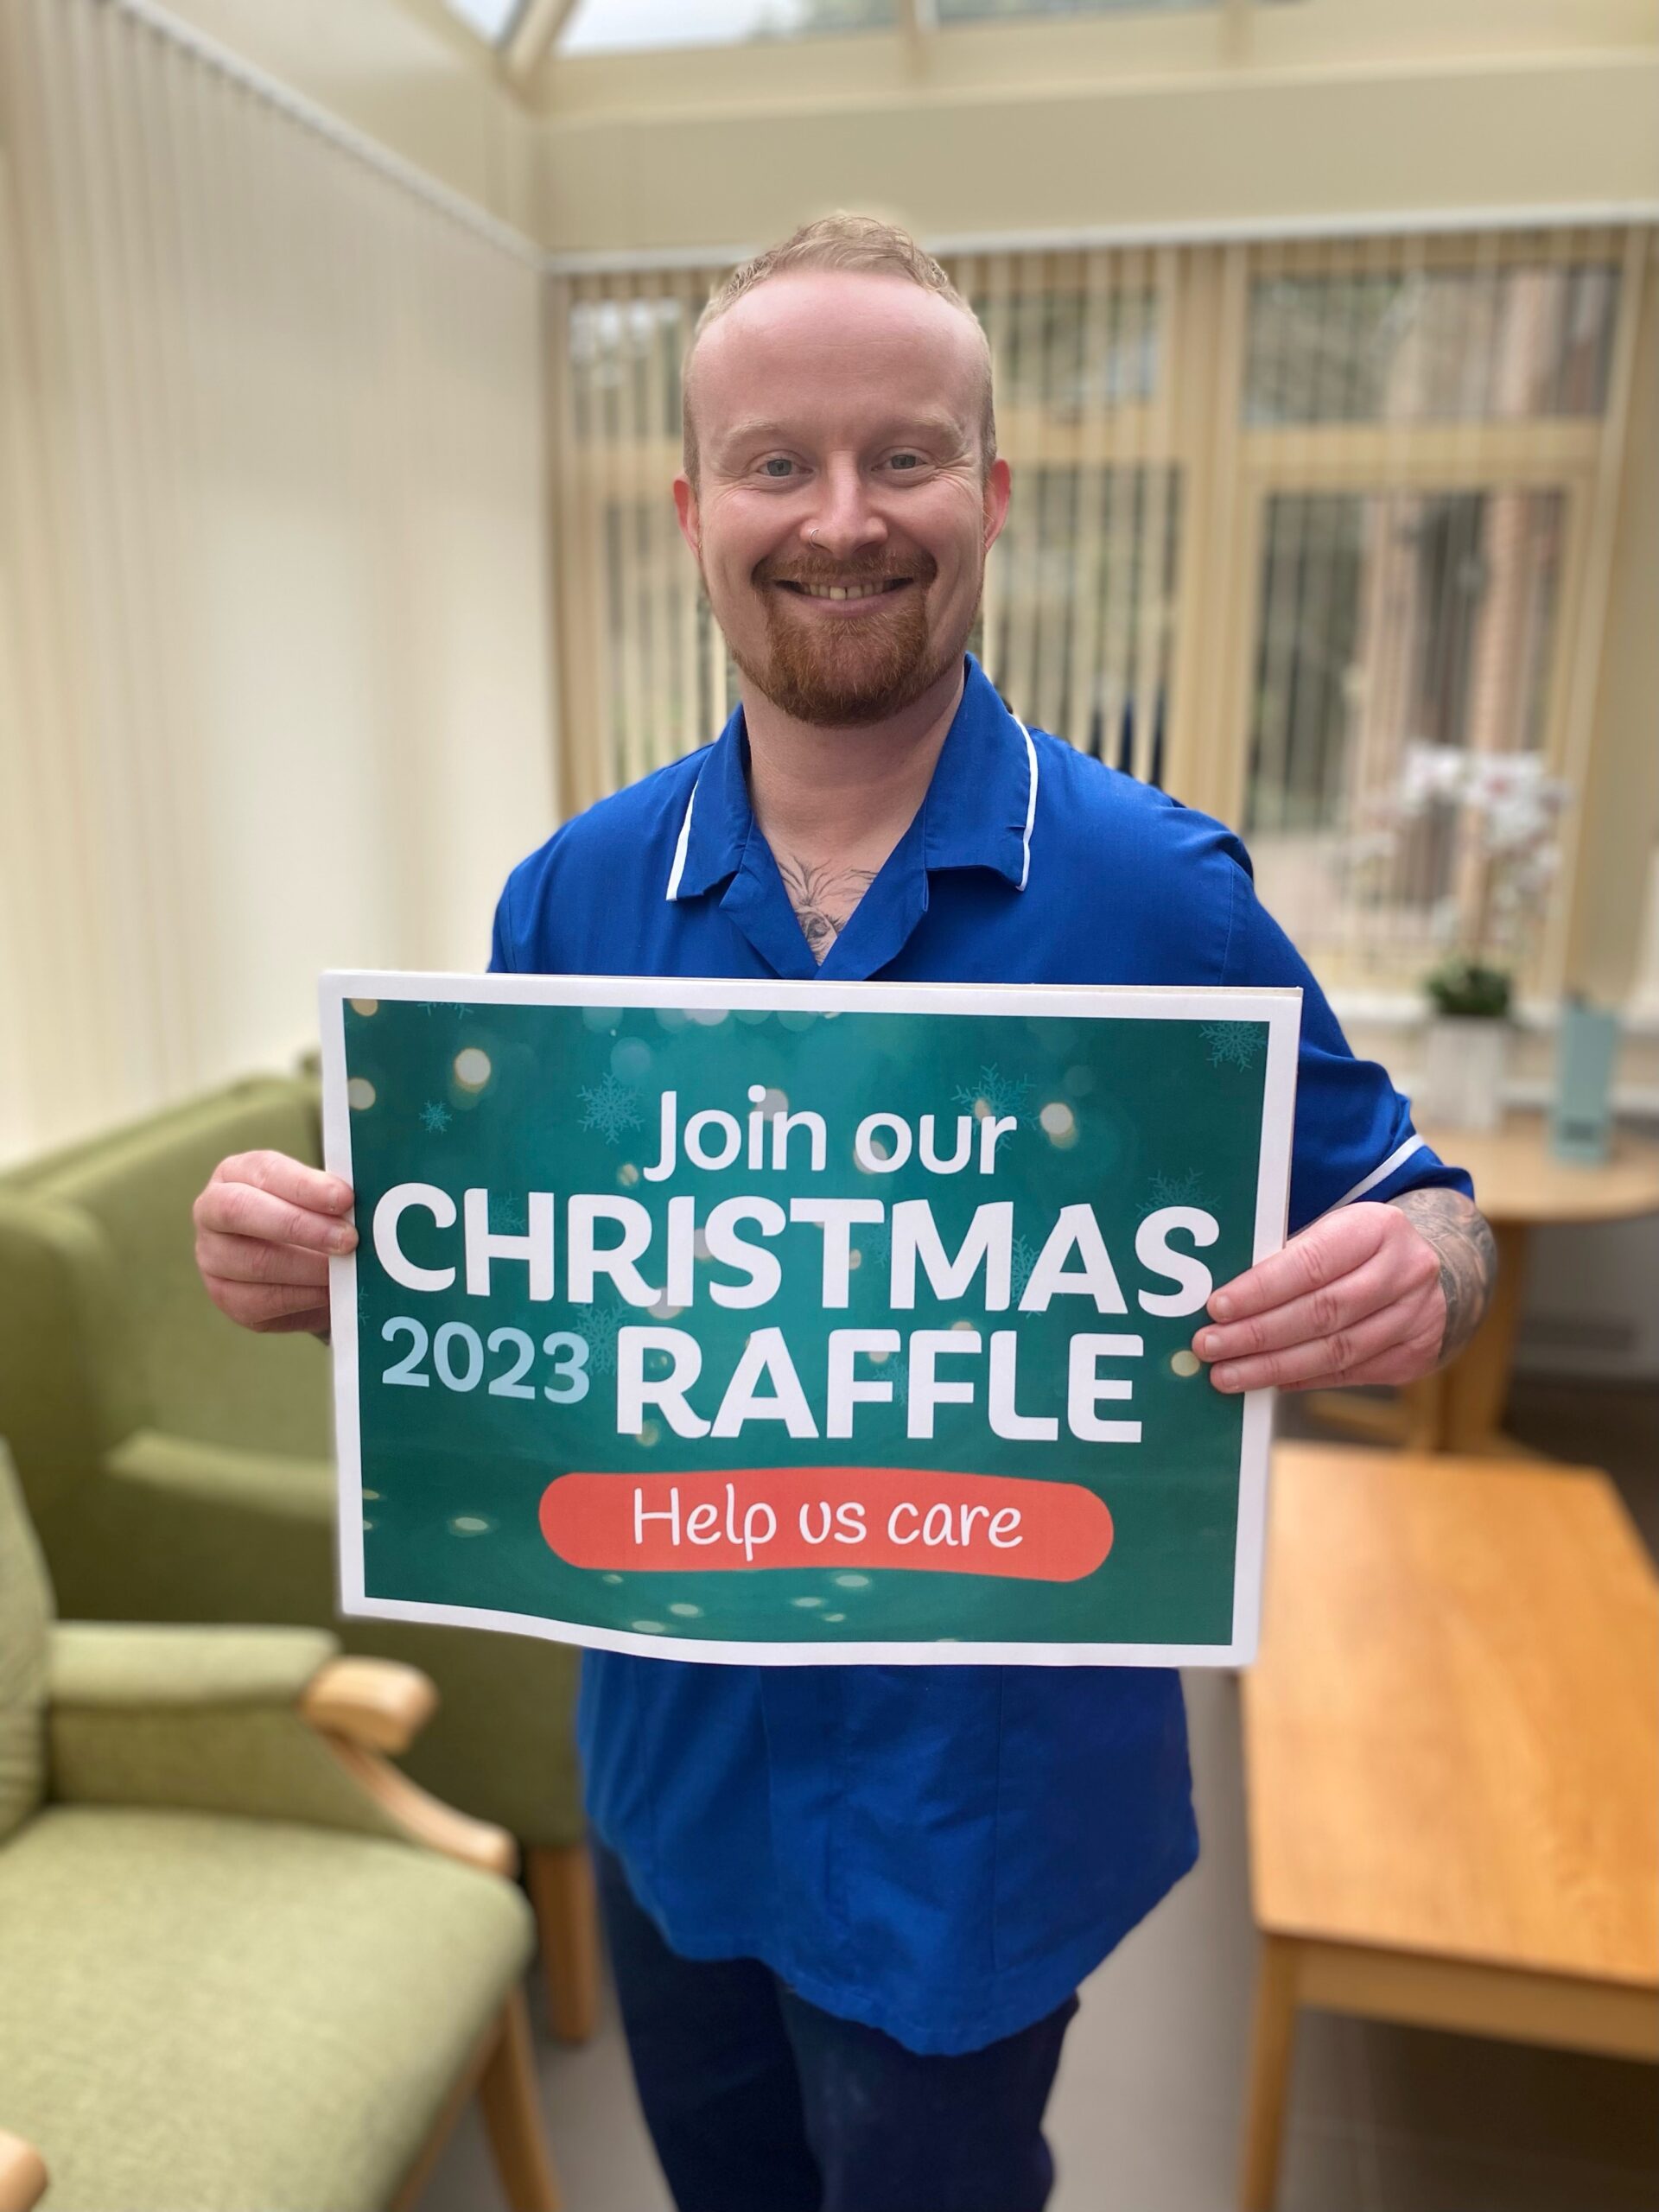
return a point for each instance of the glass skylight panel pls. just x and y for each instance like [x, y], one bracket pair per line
[990, 11]
[634, 26]
[491, 19]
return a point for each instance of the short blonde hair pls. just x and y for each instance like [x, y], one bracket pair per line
[862, 243]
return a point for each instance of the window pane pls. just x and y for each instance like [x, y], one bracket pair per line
[1046, 359]
[1079, 633]
[1403, 642]
[1438, 345]
[621, 26]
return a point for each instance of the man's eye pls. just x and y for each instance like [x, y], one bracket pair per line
[903, 461]
[777, 466]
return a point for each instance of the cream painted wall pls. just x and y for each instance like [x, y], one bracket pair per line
[1206, 154]
[1319, 110]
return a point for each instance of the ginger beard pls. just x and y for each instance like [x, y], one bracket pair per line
[846, 671]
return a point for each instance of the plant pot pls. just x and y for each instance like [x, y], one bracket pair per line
[1464, 1060]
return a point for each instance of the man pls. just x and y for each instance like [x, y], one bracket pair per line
[847, 1907]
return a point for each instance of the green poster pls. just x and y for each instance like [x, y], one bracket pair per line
[802, 1322]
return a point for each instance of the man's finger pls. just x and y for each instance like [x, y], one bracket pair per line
[312, 1188]
[1329, 1360]
[233, 1209]
[1319, 1313]
[1321, 1255]
[249, 1259]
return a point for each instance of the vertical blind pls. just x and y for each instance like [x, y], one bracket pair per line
[1293, 523]
[275, 684]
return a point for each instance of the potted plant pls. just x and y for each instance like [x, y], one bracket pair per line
[1505, 809]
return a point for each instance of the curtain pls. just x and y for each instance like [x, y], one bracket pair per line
[275, 678]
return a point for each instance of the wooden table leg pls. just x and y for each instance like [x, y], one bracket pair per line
[567, 1916]
[512, 2115]
[1273, 2037]
[1475, 1389]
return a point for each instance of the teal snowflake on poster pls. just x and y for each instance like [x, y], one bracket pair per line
[613, 1107]
[600, 1326]
[1176, 1189]
[435, 1118]
[1005, 1096]
[1024, 1260]
[510, 1216]
[876, 1245]
[460, 1013]
[1234, 1043]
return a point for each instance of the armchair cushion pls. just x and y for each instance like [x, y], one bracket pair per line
[203, 1720]
[25, 1627]
[237, 2016]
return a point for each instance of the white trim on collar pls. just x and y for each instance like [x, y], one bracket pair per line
[1031, 803]
[678, 868]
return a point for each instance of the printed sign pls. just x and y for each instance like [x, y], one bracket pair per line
[802, 1322]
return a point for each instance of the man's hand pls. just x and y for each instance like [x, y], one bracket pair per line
[1371, 1293]
[264, 1226]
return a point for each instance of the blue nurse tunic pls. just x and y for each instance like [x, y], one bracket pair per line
[940, 1852]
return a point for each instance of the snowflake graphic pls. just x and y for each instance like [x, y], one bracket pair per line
[1234, 1043]
[427, 1006]
[876, 1245]
[600, 1326]
[1024, 1259]
[513, 1219]
[1176, 1189]
[435, 1118]
[461, 1011]
[613, 1107]
[1004, 1096]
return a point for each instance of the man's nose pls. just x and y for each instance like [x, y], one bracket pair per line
[845, 519]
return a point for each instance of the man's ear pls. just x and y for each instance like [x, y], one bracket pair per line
[999, 483]
[685, 506]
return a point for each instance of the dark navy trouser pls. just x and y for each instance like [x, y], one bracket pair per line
[759, 2102]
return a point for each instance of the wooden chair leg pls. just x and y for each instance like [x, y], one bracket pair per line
[512, 2115]
[1272, 2040]
[561, 1881]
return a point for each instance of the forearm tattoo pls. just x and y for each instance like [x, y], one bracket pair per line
[1463, 1244]
[824, 898]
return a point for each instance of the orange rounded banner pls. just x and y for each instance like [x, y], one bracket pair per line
[1026, 1529]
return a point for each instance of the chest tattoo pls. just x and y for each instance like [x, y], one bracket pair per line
[824, 895]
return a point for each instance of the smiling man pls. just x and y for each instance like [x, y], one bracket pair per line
[849, 1907]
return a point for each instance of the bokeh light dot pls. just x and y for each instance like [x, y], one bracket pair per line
[366, 1007]
[359, 1093]
[1058, 1119]
[1185, 1362]
[472, 1068]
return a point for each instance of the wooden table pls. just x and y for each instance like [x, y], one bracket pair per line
[1519, 1184]
[1451, 1760]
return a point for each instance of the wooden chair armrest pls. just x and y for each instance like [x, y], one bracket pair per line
[379, 1703]
[424, 1818]
[22, 2174]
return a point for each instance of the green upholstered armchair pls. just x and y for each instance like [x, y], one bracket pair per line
[178, 1468]
[248, 1966]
